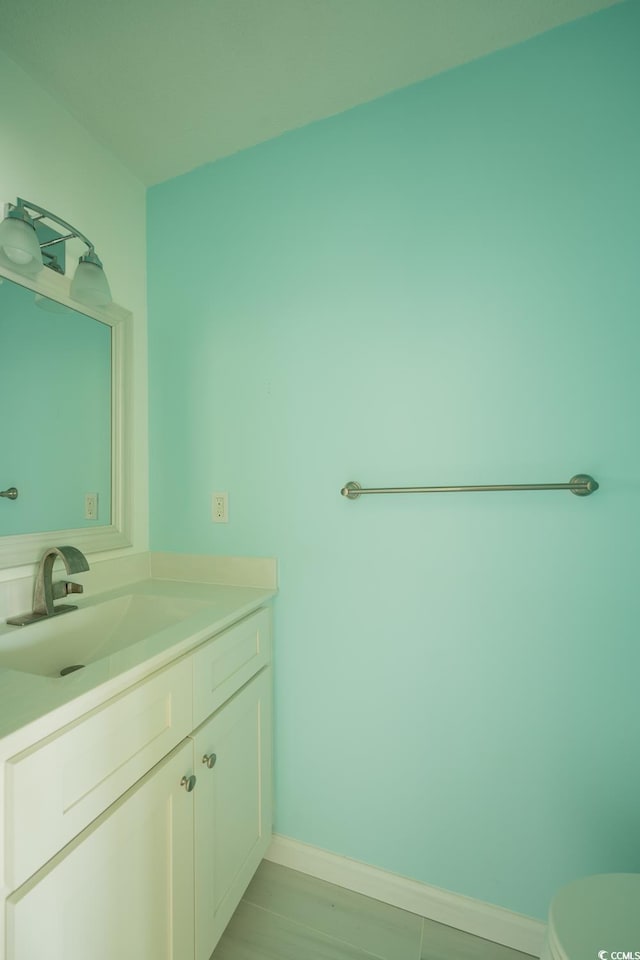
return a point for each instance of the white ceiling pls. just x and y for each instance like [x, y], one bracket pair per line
[167, 85]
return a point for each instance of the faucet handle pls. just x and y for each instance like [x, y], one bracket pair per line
[62, 588]
[73, 587]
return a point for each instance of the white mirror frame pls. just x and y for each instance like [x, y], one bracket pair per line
[26, 549]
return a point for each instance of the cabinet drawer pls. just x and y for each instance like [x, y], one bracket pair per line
[225, 663]
[54, 789]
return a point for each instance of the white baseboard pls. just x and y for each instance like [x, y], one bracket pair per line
[473, 916]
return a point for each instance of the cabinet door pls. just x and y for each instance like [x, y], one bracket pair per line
[232, 806]
[124, 887]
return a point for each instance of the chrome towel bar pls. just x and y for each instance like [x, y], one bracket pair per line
[581, 485]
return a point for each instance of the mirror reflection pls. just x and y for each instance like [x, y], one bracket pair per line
[55, 397]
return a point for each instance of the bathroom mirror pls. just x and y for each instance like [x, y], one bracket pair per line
[63, 392]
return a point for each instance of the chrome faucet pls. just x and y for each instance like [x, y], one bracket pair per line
[46, 591]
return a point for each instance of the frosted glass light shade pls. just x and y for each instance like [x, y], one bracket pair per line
[89, 285]
[19, 246]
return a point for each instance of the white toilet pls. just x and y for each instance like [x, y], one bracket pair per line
[595, 918]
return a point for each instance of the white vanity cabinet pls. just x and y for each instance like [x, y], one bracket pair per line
[157, 871]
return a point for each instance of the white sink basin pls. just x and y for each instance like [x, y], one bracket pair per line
[83, 636]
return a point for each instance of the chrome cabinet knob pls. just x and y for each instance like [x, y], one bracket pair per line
[188, 783]
[209, 760]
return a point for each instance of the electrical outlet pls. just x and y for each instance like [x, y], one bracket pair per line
[91, 506]
[220, 508]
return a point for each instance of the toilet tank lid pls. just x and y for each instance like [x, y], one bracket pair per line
[597, 913]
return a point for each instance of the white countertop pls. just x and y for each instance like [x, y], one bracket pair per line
[32, 706]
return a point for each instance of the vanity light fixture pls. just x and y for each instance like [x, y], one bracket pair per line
[19, 244]
[25, 243]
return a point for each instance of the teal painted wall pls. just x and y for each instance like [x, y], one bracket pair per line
[55, 403]
[441, 286]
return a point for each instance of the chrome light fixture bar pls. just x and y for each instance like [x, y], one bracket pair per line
[22, 249]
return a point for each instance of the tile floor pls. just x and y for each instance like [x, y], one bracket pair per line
[286, 915]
